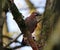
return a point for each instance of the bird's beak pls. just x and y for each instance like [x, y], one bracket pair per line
[38, 17]
[37, 14]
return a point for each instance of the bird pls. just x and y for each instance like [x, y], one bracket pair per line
[32, 21]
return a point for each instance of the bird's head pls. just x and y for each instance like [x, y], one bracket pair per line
[36, 15]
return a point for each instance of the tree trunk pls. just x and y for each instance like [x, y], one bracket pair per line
[51, 17]
[1, 24]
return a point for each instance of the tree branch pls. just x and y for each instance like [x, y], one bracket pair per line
[21, 23]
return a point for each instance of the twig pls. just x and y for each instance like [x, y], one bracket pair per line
[7, 37]
[31, 6]
[15, 40]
